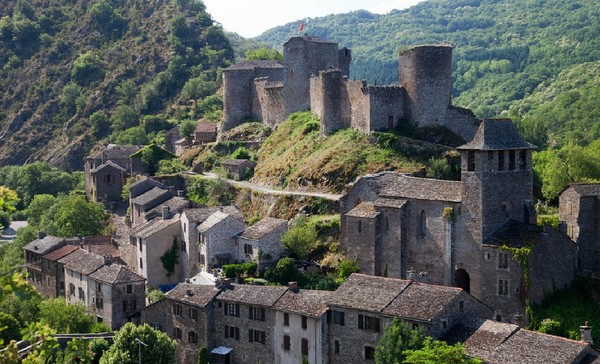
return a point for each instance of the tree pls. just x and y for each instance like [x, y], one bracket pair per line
[300, 240]
[203, 355]
[187, 129]
[8, 199]
[87, 68]
[133, 136]
[73, 215]
[9, 327]
[397, 337]
[346, 268]
[124, 117]
[170, 258]
[160, 348]
[438, 352]
[100, 124]
[263, 53]
[66, 318]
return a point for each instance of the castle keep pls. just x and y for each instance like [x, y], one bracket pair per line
[314, 76]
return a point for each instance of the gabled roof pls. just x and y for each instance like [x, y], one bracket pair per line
[108, 164]
[262, 228]
[76, 254]
[213, 220]
[516, 234]
[250, 65]
[501, 134]
[175, 204]
[60, 252]
[155, 194]
[368, 293]
[86, 263]
[252, 295]
[114, 151]
[201, 295]
[364, 210]
[404, 186]
[497, 342]
[205, 127]
[45, 244]
[586, 189]
[422, 301]
[153, 226]
[200, 214]
[235, 162]
[311, 303]
[145, 184]
[115, 273]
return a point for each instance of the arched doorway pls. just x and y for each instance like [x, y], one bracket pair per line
[462, 280]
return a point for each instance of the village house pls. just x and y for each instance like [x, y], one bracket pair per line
[237, 169]
[261, 242]
[38, 273]
[217, 239]
[205, 132]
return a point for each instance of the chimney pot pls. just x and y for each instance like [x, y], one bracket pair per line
[586, 333]
[189, 293]
[179, 193]
[293, 286]
[165, 212]
[41, 234]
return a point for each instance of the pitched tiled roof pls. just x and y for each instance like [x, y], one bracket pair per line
[76, 254]
[60, 252]
[200, 214]
[146, 183]
[114, 151]
[106, 165]
[253, 295]
[155, 194]
[44, 245]
[213, 220]
[516, 234]
[249, 65]
[364, 210]
[86, 263]
[262, 228]
[201, 295]
[389, 202]
[115, 273]
[497, 342]
[311, 303]
[235, 162]
[204, 127]
[499, 134]
[368, 293]
[175, 204]
[586, 189]
[422, 301]
[153, 226]
[409, 187]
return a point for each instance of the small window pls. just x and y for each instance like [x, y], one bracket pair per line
[129, 305]
[503, 287]
[256, 313]
[304, 322]
[99, 303]
[129, 288]
[501, 160]
[99, 287]
[177, 333]
[471, 161]
[231, 309]
[287, 342]
[256, 336]
[503, 260]
[177, 309]
[511, 160]
[286, 319]
[523, 159]
[232, 332]
[304, 347]
[338, 318]
[359, 226]
[71, 289]
[81, 294]
[445, 324]
[423, 224]
[248, 249]
[570, 208]
[141, 263]
[336, 347]
[193, 337]
[368, 323]
[183, 246]
[193, 314]
[369, 353]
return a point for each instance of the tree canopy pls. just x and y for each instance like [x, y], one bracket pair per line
[160, 348]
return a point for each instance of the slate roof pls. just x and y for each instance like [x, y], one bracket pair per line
[311, 38]
[364, 210]
[409, 187]
[368, 293]
[153, 226]
[250, 65]
[44, 245]
[501, 134]
[60, 252]
[154, 194]
[148, 182]
[205, 127]
[253, 295]
[311, 303]
[106, 165]
[201, 296]
[516, 234]
[389, 202]
[86, 263]
[175, 204]
[235, 162]
[115, 273]
[213, 220]
[200, 214]
[586, 189]
[422, 301]
[114, 151]
[262, 228]
[497, 342]
[76, 254]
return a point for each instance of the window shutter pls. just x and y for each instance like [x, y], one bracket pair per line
[237, 309]
[227, 332]
[377, 327]
[251, 336]
[124, 306]
[342, 319]
[329, 317]
[250, 312]
[135, 304]
[237, 333]
[360, 321]
[225, 309]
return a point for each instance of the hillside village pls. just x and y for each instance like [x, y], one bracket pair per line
[458, 260]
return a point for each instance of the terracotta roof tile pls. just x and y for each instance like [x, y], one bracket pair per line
[253, 295]
[262, 228]
[311, 303]
[422, 301]
[60, 252]
[201, 294]
[369, 293]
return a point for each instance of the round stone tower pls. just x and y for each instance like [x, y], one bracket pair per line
[426, 74]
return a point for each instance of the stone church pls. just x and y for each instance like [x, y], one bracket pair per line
[478, 233]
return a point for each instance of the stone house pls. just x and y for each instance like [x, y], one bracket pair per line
[147, 201]
[217, 239]
[116, 292]
[261, 242]
[106, 172]
[465, 233]
[363, 305]
[237, 169]
[39, 272]
[244, 322]
[152, 240]
[54, 271]
[77, 271]
[186, 314]
[301, 329]
[205, 133]
[579, 215]
[499, 343]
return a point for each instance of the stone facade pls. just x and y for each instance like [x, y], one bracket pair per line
[314, 76]
[261, 242]
[461, 233]
[217, 239]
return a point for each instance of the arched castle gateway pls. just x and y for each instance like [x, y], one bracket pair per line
[314, 76]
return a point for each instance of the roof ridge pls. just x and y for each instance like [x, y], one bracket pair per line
[410, 282]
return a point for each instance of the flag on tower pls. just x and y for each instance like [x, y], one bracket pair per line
[301, 26]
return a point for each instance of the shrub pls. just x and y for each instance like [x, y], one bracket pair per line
[87, 69]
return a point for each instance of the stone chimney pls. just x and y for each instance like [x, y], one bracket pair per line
[108, 259]
[586, 333]
[179, 193]
[411, 275]
[41, 234]
[172, 190]
[189, 293]
[293, 286]
[165, 212]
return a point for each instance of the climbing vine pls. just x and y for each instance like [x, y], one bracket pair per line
[521, 257]
[170, 258]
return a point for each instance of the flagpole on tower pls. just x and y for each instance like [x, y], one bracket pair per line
[301, 27]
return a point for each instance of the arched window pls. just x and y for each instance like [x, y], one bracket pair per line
[423, 224]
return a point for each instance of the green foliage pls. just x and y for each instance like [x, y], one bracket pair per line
[124, 117]
[133, 136]
[170, 166]
[553, 327]
[87, 69]
[203, 356]
[300, 241]
[438, 352]
[151, 155]
[171, 258]
[397, 337]
[285, 271]
[106, 20]
[263, 53]
[346, 268]
[5, 219]
[187, 129]
[241, 153]
[8, 199]
[154, 295]
[234, 270]
[100, 124]
[127, 91]
[66, 318]
[197, 88]
[439, 169]
[73, 215]
[9, 327]
[77, 351]
[211, 192]
[160, 349]
[11, 255]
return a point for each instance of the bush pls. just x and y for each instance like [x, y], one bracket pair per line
[300, 241]
[5, 220]
[87, 69]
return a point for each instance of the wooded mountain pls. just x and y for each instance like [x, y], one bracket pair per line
[73, 73]
[504, 50]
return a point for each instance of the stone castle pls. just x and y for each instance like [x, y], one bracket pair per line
[314, 76]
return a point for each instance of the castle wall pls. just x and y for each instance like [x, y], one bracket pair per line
[358, 107]
[386, 107]
[461, 122]
[426, 74]
[237, 97]
[267, 103]
[389, 247]
[361, 233]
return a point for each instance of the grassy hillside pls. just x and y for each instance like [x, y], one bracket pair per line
[77, 74]
[504, 49]
[297, 156]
